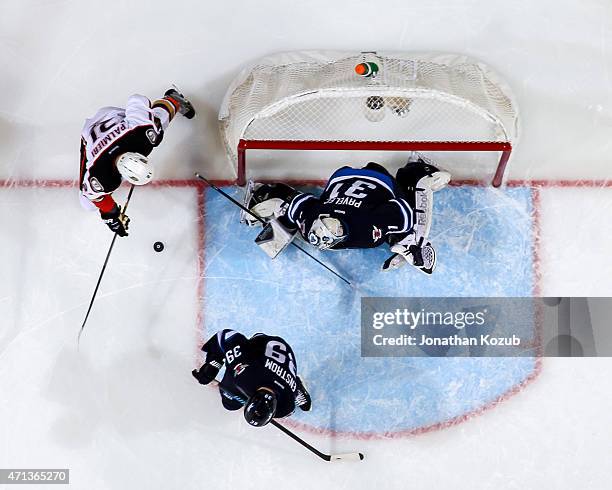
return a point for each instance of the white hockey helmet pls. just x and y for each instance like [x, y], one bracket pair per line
[326, 232]
[135, 168]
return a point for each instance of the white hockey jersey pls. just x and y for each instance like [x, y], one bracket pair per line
[111, 132]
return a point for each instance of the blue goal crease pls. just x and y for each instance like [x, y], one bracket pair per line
[484, 242]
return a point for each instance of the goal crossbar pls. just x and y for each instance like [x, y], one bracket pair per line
[495, 146]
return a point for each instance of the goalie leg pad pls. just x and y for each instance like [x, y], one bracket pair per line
[423, 211]
[421, 173]
[435, 181]
[419, 182]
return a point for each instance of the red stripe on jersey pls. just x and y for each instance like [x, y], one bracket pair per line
[83, 160]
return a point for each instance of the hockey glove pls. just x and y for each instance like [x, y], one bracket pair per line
[206, 373]
[116, 221]
[266, 202]
[302, 398]
[423, 258]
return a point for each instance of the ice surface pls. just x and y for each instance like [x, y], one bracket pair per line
[124, 412]
[484, 240]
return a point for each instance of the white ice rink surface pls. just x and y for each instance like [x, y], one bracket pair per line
[124, 412]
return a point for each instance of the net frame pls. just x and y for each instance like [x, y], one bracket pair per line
[288, 82]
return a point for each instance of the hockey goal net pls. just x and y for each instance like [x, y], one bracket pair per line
[452, 108]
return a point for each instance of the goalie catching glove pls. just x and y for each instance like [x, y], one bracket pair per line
[116, 220]
[266, 202]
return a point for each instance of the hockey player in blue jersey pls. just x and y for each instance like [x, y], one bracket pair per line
[358, 208]
[260, 375]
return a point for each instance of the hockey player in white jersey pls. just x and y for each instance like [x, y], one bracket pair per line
[115, 144]
[358, 208]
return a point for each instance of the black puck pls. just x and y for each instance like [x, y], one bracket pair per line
[158, 246]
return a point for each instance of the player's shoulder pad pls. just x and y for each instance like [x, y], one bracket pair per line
[228, 336]
[345, 173]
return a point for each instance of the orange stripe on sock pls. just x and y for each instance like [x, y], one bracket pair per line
[175, 102]
[167, 105]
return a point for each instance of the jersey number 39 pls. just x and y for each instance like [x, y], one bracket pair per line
[278, 351]
[232, 354]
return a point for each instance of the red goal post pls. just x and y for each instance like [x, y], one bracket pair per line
[449, 107]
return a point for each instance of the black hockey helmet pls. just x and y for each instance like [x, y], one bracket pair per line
[261, 407]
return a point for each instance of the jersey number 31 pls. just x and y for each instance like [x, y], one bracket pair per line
[355, 190]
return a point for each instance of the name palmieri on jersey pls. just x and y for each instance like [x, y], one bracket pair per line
[109, 138]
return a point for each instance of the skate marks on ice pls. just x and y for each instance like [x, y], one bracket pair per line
[484, 238]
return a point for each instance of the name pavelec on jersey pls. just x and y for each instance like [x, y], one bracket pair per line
[344, 201]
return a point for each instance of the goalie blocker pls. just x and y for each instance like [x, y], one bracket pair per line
[274, 238]
[359, 208]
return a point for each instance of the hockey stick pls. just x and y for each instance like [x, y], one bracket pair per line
[326, 457]
[245, 209]
[110, 249]
[282, 428]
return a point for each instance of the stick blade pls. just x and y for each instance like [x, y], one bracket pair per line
[347, 457]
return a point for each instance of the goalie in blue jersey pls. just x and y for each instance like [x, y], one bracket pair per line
[358, 208]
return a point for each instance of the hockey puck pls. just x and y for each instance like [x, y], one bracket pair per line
[158, 246]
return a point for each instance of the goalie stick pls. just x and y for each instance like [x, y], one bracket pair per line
[110, 249]
[245, 209]
[312, 449]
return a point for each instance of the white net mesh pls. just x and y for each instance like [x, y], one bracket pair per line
[317, 96]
